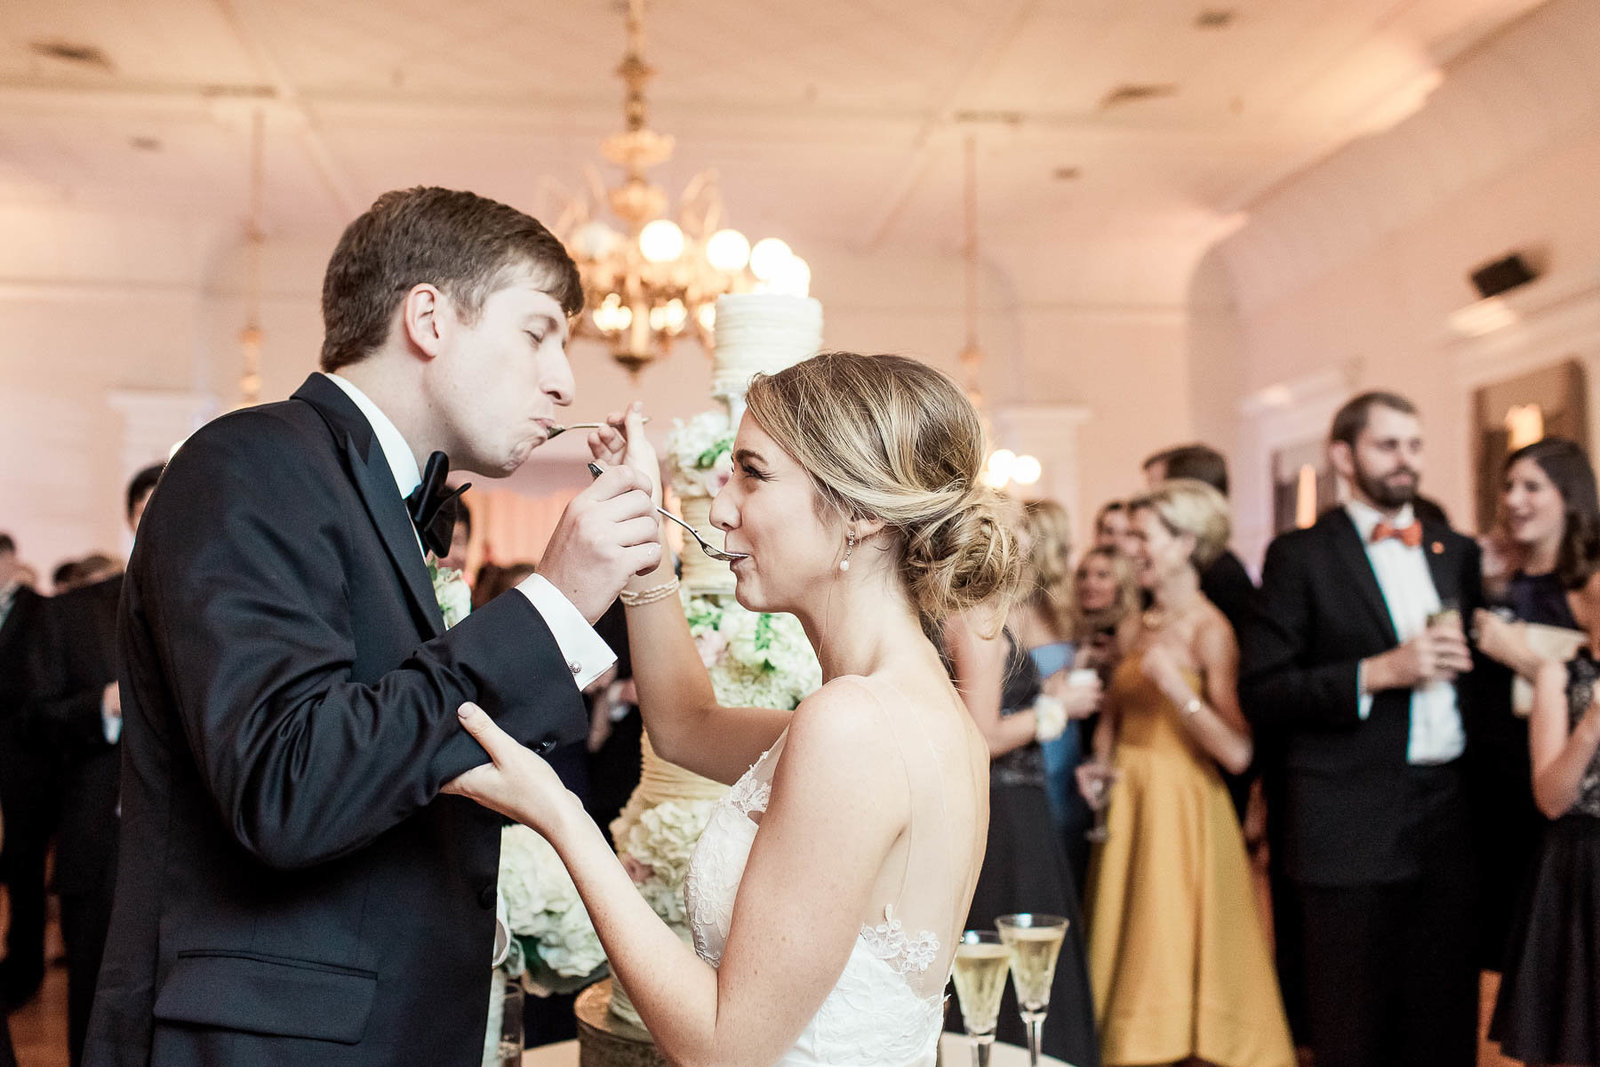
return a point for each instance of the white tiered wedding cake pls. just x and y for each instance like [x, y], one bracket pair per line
[754, 659]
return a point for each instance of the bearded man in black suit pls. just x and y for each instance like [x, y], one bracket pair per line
[292, 887]
[1357, 664]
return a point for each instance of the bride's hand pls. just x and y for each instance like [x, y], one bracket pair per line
[515, 782]
[622, 440]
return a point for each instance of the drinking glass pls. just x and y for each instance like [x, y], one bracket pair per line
[979, 973]
[1100, 802]
[1035, 944]
[511, 1025]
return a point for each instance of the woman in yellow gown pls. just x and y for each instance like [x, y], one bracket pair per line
[1178, 955]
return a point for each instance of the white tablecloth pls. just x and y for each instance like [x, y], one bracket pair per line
[955, 1049]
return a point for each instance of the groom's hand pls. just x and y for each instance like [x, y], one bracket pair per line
[607, 534]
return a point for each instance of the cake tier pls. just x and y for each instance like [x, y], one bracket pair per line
[761, 333]
[701, 573]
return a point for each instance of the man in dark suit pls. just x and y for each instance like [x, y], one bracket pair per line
[77, 707]
[292, 888]
[28, 786]
[1353, 663]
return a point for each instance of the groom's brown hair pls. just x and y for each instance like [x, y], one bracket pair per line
[465, 244]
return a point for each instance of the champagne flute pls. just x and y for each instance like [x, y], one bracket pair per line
[1035, 944]
[1100, 802]
[979, 972]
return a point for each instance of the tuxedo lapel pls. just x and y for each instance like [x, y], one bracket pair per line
[1352, 555]
[1443, 567]
[375, 482]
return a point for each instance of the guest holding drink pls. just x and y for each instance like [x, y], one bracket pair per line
[1550, 516]
[1043, 623]
[1106, 597]
[1025, 867]
[1548, 1012]
[1178, 954]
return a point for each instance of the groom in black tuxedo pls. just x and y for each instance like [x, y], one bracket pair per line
[1367, 685]
[292, 888]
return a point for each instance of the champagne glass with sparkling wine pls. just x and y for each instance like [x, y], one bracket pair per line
[1035, 944]
[981, 963]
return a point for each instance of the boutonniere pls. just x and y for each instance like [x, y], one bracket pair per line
[450, 589]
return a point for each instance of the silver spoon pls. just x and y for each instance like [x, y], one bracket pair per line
[557, 431]
[709, 549]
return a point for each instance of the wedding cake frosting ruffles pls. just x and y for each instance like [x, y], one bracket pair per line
[754, 659]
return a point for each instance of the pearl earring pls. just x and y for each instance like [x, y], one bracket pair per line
[850, 546]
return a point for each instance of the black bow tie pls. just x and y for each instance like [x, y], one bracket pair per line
[432, 506]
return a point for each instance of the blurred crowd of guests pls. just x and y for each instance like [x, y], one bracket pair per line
[1395, 725]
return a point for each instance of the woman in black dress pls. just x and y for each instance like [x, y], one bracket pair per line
[1550, 516]
[1549, 1005]
[1025, 867]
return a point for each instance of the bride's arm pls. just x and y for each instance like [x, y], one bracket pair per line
[837, 807]
[681, 714]
[686, 724]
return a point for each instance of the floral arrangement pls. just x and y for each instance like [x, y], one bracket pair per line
[553, 944]
[450, 589]
[700, 452]
[655, 845]
[755, 660]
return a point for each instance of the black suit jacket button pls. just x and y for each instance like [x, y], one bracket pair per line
[486, 897]
[547, 743]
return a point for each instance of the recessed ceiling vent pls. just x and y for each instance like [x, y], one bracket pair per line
[1136, 92]
[1215, 18]
[78, 54]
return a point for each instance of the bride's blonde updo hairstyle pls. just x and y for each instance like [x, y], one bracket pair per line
[888, 438]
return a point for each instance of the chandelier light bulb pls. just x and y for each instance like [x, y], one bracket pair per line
[669, 317]
[998, 470]
[708, 317]
[768, 257]
[728, 251]
[594, 240]
[793, 277]
[1026, 470]
[661, 241]
[612, 317]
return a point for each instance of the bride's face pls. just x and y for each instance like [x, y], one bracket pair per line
[769, 511]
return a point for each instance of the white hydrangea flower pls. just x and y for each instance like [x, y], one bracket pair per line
[543, 909]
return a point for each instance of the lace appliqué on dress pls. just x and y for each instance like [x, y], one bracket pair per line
[889, 942]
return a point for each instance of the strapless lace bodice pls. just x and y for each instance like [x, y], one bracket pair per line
[873, 1017]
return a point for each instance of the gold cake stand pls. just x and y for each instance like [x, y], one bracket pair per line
[607, 1041]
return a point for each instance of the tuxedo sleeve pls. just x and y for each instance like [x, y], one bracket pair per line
[1281, 684]
[242, 575]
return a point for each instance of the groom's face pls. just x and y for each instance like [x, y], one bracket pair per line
[496, 382]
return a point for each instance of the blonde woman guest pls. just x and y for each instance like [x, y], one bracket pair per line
[1106, 597]
[1043, 624]
[828, 891]
[1178, 955]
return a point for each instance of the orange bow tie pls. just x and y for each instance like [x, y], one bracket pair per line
[1410, 536]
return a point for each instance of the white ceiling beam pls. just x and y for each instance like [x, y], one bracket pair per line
[942, 115]
[246, 17]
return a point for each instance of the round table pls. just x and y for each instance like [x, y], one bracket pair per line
[954, 1050]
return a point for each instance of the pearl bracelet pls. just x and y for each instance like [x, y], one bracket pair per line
[631, 599]
[1192, 706]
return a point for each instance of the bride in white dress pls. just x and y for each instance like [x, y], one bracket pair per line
[828, 891]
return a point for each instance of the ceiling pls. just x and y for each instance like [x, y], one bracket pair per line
[829, 121]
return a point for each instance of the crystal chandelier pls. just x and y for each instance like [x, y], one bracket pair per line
[656, 278]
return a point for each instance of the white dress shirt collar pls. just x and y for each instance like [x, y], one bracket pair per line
[1366, 517]
[401, 460]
